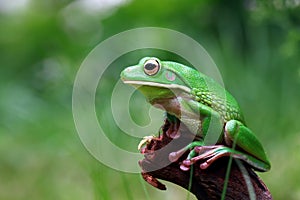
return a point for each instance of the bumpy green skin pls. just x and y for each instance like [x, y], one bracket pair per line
[203, 105]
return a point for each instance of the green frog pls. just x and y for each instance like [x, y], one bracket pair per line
[204, 106]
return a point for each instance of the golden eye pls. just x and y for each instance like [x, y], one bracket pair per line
[151, 67]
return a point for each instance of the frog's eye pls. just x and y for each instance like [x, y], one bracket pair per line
[151, 67]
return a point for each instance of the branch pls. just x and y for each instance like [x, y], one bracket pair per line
[207, 183]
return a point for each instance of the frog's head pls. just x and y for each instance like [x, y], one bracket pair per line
[158, 79]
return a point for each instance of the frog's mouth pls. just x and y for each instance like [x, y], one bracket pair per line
[159, 85]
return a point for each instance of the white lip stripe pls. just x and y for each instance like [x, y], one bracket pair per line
[171, 86]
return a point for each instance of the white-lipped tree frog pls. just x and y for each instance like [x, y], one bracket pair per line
[202, 105]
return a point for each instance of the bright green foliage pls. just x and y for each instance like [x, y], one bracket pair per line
[255, 44]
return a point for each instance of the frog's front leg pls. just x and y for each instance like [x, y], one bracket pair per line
[236, 134]
[209, 125]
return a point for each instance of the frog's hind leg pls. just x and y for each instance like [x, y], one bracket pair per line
[237, 134]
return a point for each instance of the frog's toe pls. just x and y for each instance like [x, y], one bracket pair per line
[146, 140]
[174, 156]
[185, 167]
[187, 162]
[204, 165]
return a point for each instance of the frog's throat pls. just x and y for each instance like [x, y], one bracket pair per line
[169, 86]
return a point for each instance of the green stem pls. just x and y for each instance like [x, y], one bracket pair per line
[190, 182]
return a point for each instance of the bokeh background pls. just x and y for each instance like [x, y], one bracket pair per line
[255, 44]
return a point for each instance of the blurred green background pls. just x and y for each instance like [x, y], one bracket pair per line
[255, 44]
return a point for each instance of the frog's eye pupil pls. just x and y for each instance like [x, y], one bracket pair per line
[151, 67]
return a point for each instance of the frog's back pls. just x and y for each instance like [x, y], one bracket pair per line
[212, 94]
[207, 91]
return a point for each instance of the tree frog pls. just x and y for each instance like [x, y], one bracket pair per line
[204, 106]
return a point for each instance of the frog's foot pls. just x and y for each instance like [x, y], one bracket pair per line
[208, 154]
[146, 140]
[174, 156]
